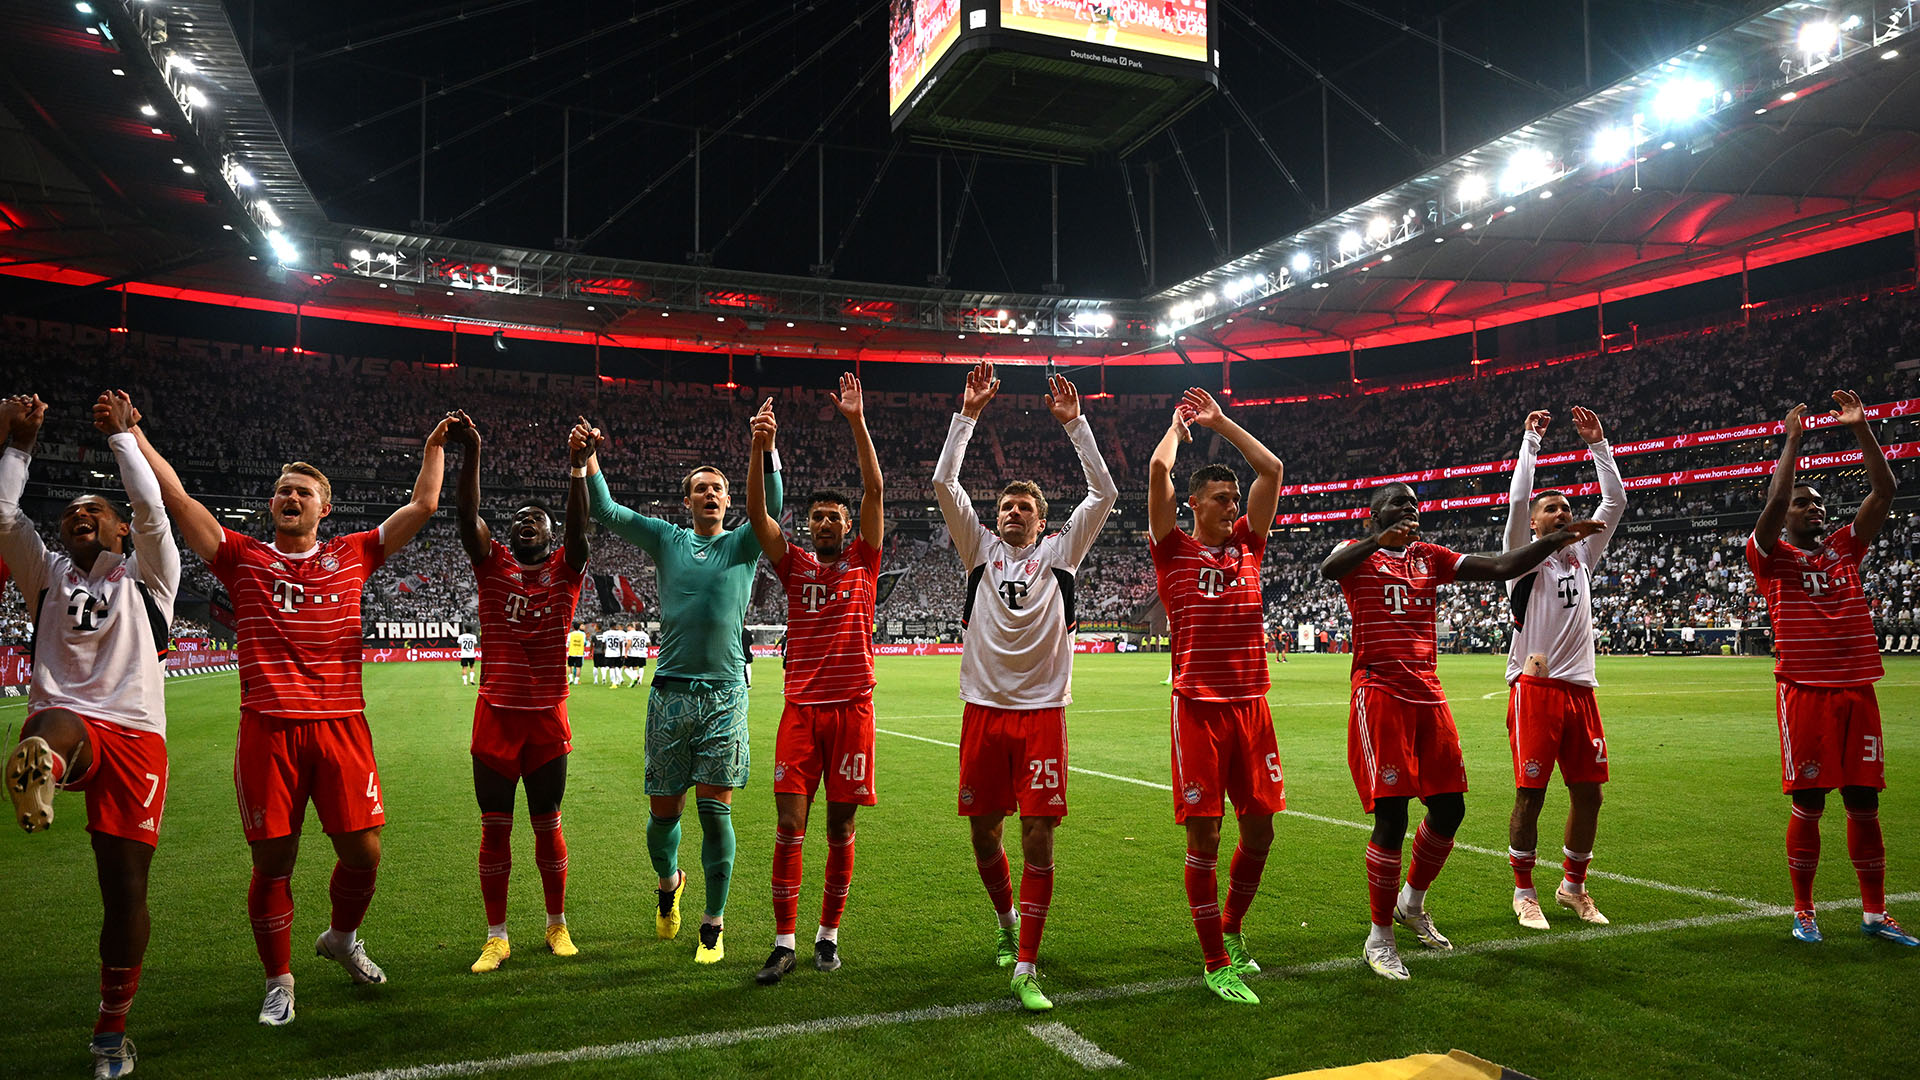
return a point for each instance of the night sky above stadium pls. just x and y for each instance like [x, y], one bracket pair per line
[636, 85]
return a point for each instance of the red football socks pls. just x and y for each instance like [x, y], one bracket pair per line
[833, 898]
[1522, 863]
[1803, 854]
[1203, 900]
[997, 876]
[1383, 883]
[496, 864]
[1869, 854]
[117, 987]
[1243, 884]
[550, 855]
[787, 851]
[351, 890]
[1430, 851]
[1036, 895]
[270, 909]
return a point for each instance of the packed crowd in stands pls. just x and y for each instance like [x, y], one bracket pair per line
[228, 435]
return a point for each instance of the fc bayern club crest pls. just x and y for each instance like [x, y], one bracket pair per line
[966, 796]
[779, 771]
[1192, 794]
[1810, 770]
[329, 563]
[1418, 565]
[1532, 769]
[1389, 776]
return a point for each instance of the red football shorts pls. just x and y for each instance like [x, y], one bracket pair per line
[1551, 720]
[514, 742]
[1225, 748]
[1013, 760]
[1399, 748]
[831, 740]
[126, 784]
[279, 764]
[1830, 737]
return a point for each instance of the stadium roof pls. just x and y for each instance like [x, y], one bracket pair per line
[1752, 146]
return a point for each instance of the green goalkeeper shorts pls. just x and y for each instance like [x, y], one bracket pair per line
[696, 734]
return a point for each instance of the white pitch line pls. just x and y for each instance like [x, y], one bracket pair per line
[1607, 875]
[1074, 1045]
[176, 679]
[717, 1039]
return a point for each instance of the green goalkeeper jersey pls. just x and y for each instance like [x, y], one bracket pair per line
[705, 584]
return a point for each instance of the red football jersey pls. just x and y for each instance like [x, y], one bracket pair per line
[829, 624]
[298, 620]
[1392, 597]
[1822, 631]
[526, 613]
[1213, 604]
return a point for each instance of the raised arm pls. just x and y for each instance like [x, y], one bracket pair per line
[873, 490]
[475, 537]
[1520, 491]
[20, 543]
[963, 526]
[405, 523]
[1263, 498]
[1163, 503]
[198, 527]
[1773, 516]
[1083, 525]
[1511, 563]
[773, 541]
[630, 525]
[152, 539]
[1613, 491]
[576, 544]
[1873, 509]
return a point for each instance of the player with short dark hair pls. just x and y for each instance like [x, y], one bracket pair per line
[528, 594]
[576, 653]
[303, 727]
[1826, 660]
[826, 727]
[96, 705]
[1401, 741]
[1551, 714]
[1016, 673]
[1223, 741]
[697, 705]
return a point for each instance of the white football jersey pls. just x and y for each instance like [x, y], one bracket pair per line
[610, 642]
[637, 642]
[1019, 619]
[469, 646]
[99, 637]
[1553, 603]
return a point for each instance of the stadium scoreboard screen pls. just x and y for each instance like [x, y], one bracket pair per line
[1064, 80]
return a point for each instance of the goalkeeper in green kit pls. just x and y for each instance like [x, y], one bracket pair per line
[697, 710]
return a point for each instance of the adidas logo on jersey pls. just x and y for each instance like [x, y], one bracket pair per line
[861, 790]
[1056, 801]
[150, 826]
[379, 810]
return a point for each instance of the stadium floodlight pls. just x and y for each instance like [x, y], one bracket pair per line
[1349, 242]
[1302, 262]
[1163, 330]
[283, 248]
[1817, 39]
[1527, 168]
[149, 111]
[1379, 229]
[267, 215]
[1683, 99]
[83, 8]
[390, 257]
[1890, 54]
[1613, 145]
[241, 176]
[195, 98]
[176, 62]
[360, 255]
[1852, 22]
[1103, 320]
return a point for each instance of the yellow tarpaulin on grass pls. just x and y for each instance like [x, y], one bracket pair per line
[1453, 1065]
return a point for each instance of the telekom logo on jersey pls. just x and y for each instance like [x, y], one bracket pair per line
[1814, 582]
[1213, 581]
[287, 594]
[815, 595]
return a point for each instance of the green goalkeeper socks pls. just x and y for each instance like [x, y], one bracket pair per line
[663, 845]
[716, 852]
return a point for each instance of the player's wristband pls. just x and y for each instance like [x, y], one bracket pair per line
[770, 461]
[578, 472]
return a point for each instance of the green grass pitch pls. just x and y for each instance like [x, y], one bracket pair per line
[1690, 984]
